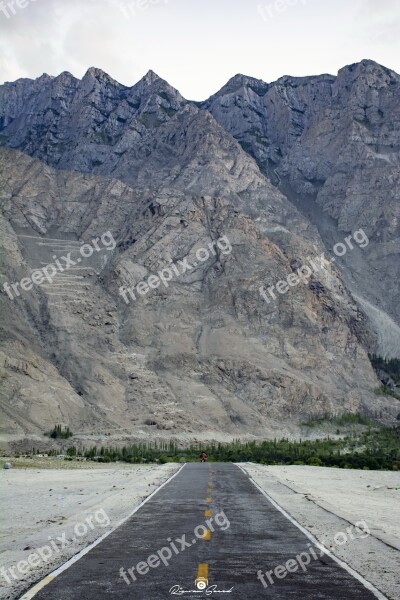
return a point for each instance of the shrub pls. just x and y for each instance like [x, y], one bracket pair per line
[59, 432]
[314, 461]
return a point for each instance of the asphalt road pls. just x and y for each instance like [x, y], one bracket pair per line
[247, 535]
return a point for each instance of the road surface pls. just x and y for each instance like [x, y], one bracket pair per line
[209, 532]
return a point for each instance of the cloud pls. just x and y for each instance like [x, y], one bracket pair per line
[53, 36]
[380, 21]
[195, 44]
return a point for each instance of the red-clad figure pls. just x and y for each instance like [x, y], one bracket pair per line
[203, 457]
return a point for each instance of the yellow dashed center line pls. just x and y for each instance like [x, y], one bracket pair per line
[208, 500]
[202, 576]
[208, 513]
[206, 536]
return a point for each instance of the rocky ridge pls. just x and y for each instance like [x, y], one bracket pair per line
[166, 177]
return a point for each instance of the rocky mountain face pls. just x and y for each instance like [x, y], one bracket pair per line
[185, 211]
[332, 145]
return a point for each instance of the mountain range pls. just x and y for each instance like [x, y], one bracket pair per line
[282, 173]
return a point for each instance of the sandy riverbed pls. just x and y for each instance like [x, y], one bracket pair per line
[39, 503]
[326, 501]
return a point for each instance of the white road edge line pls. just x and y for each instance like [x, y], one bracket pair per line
[50, 576]
[318, 544]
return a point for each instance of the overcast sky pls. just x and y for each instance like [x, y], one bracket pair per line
[196, 45]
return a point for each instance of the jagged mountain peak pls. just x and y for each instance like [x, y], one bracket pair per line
[151, 77]
[152, 83]
[367, 69]
[364, 64]
[94, 73]
[44, 78]
[240, 81]
[66, 75]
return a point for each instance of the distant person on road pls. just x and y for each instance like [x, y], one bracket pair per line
[203, 457]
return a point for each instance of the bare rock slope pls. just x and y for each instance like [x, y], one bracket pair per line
[159, 183]
[331, 144]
